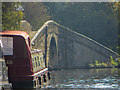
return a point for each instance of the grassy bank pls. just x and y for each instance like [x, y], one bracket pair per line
[110, 64]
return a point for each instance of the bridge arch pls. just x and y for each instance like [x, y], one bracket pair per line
[52, 60]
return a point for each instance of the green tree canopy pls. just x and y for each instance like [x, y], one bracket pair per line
[116, 8]
[93, 19]
[11, 15]
[36, 13]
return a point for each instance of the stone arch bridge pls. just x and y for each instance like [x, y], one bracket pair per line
[66, 49]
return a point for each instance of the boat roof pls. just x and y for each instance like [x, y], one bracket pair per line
[14, 33]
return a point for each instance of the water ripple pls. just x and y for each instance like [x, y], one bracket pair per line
[96, 80]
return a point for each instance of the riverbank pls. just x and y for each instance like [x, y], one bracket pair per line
[110, 64]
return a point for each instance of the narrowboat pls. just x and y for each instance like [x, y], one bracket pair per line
[26, 66]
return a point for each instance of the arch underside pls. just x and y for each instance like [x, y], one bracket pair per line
[53, 56]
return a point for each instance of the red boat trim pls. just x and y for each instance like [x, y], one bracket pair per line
[26, 36]
[14, 33]
[40, 72]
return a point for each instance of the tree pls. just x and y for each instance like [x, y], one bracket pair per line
[93, 19]
[116, 9]
[11, 15]
[36, 13]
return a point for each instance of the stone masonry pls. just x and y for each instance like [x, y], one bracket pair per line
[67, 49]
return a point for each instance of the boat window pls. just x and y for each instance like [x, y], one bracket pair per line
[38, 57]
[7, 45]
[36, 64]
[39, 63]
[35, 58]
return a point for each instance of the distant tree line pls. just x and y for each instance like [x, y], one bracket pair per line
[96, 20]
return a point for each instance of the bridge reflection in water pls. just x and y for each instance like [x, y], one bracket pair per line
[85, 78]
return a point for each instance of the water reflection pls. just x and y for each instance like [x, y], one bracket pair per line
[85, 78]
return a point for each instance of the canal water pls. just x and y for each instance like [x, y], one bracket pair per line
[107, 78]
